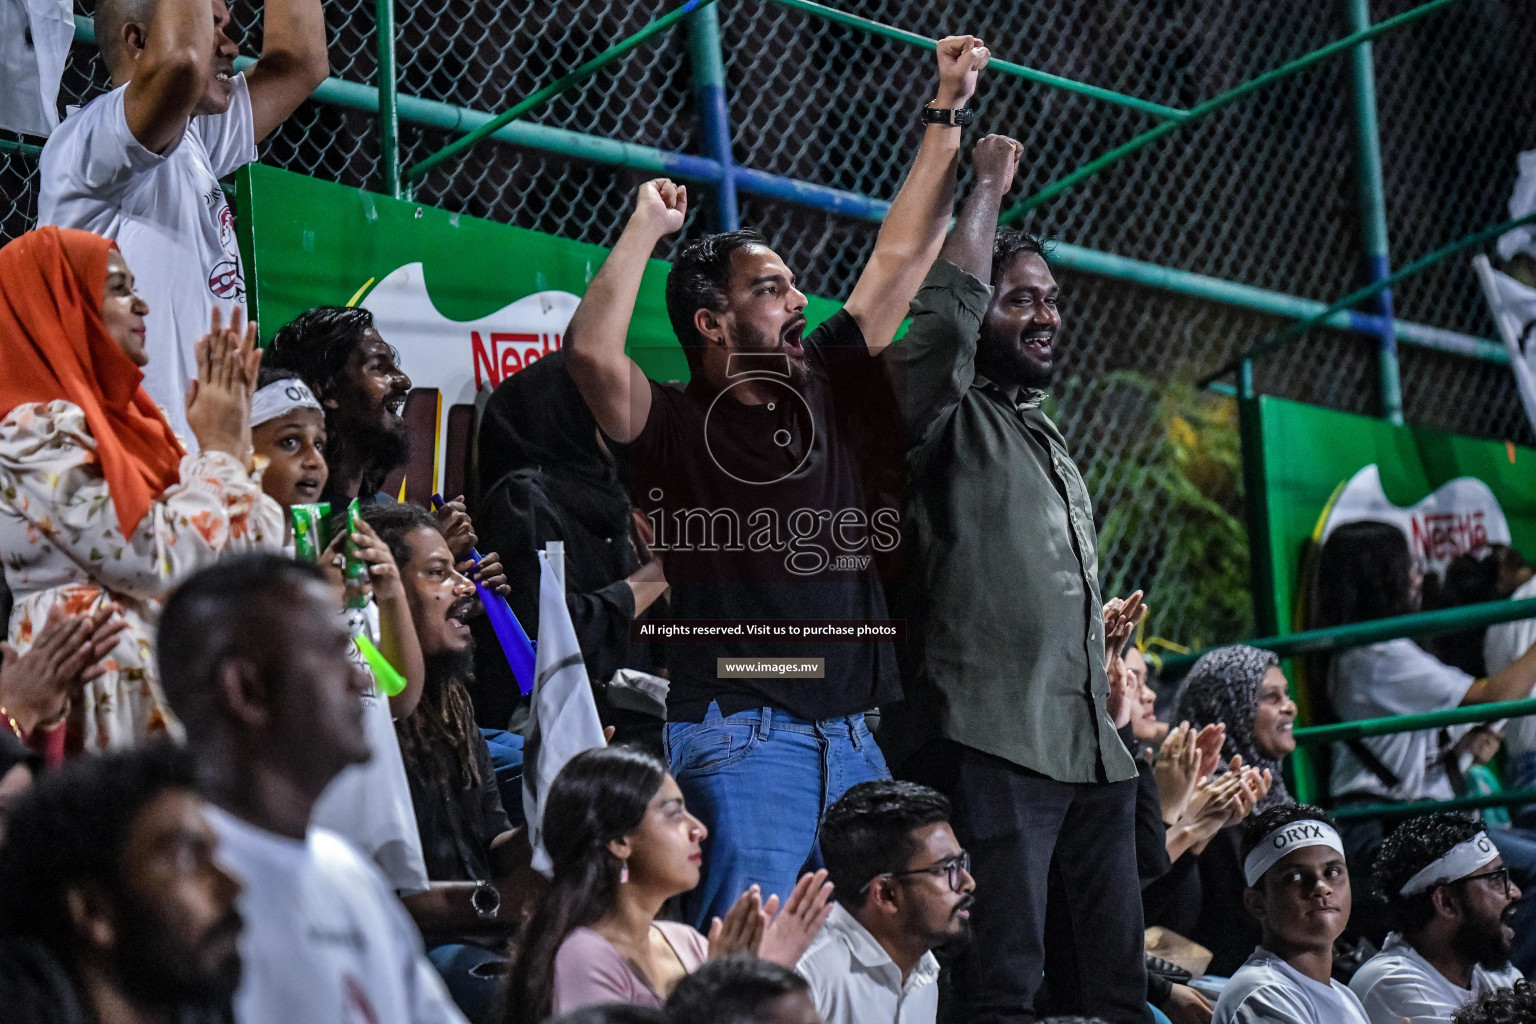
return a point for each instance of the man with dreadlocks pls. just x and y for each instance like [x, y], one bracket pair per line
[472, 852]
[1243, 689]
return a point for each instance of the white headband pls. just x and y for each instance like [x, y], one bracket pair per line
[280, 398]
[1297, 835]
[1458, 862]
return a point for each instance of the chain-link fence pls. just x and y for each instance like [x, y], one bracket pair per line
[1262, 193]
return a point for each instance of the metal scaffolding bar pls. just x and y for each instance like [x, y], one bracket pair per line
[1357, 634]
[559, 85]
[389, 110]
[1216, 103]
[1343, 732]
[995, 65]
[1373, 210]
[1284, 337]
[714, 115]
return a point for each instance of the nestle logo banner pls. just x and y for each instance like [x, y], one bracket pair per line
[1459, 516]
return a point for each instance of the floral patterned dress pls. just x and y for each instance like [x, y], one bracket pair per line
[60, 542]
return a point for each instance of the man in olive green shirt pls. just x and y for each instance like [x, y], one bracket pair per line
[1007, 707]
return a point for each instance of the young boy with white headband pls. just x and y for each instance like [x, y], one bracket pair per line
[1298, 888]
[368, 803]
[1450, 898]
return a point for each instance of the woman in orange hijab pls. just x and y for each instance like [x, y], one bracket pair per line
[99, 502]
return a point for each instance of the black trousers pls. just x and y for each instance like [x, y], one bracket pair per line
[1057, 925]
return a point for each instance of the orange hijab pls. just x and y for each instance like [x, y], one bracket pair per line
[54, 345]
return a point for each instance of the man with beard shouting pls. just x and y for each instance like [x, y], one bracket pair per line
[356, 376]
[753, 478]
[1008, 709]
[904, 889]
[1450, 898]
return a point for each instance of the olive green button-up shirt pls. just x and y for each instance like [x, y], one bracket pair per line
[1005, 621]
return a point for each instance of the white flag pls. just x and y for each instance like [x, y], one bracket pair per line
[34, 44]
[562, 719]
[1513, 306]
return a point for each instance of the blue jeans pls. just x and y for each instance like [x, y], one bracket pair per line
[760, 781]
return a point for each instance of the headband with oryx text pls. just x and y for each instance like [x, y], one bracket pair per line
[1295, 835]
[1457, 862]
[280, 398]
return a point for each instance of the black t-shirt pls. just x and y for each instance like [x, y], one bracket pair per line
[760, 514]
[458, 824]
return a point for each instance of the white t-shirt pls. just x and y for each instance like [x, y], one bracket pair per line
[325, 941]
[854, 980]
[1501, 646]
[167, 214]
[1398, 983]
[1397, 677]
[1267, 990]
[370, 803]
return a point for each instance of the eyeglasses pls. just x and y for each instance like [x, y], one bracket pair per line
[954, 869]
[1501, 875]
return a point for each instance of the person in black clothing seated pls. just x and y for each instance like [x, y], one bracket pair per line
[474, 857]
[112, 907]
[1201, 897]
[547, 474]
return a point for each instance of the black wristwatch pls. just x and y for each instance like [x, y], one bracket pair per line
[954, 117]
[486, 899]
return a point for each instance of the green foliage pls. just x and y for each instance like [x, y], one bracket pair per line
[1168, 490]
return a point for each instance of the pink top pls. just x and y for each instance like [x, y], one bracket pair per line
[588, 970]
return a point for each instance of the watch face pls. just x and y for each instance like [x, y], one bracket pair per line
[485, 899]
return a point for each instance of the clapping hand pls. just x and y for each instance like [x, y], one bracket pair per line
[36, 687]
[1177, 771]
[219, 399]
[741, 930]
[790, 933]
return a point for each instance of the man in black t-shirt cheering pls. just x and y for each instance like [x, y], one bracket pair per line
[753, 478]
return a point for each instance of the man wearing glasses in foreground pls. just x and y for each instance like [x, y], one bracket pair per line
[1450, 899]
[904, 888]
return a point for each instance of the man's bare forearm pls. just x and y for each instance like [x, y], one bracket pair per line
[969, 246]
[995, 161]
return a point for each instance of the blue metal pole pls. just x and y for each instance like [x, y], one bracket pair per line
[1373, 208]
[709, 96]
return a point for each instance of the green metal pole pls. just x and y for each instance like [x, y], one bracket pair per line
[1215, 103]
[1005, 67]
[1281, 338]
[714, 111]
[556, 87]
[1358, 634]
[1343, 732]
[24, 148]
[1462, 803]
[389, 108]
[1373, 209]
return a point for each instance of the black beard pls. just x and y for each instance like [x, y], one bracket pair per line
[446, 665]
[155, 967]
[1485, 945]
[1001, 362]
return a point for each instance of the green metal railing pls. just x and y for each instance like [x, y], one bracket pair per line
[1216, 103]
[1359, 634]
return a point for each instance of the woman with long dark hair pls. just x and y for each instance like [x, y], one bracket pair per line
[623, 843]
[1365, 571]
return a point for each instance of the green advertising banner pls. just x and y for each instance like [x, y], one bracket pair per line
[465, 301]
[1449, 493]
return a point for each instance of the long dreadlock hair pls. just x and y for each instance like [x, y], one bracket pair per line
[445, 714]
